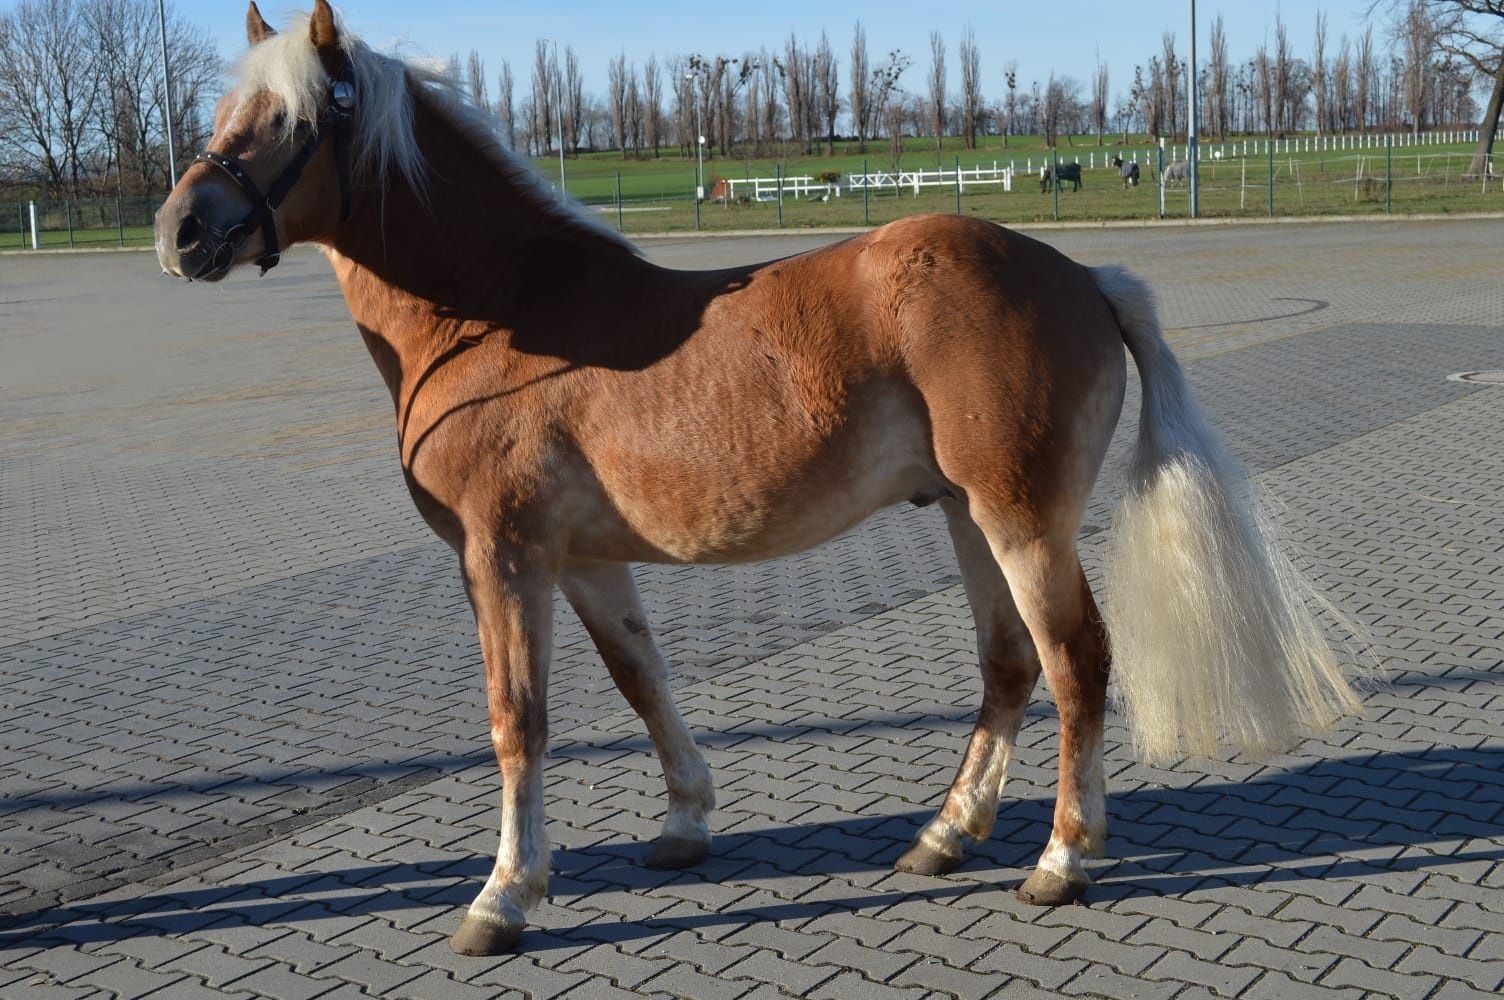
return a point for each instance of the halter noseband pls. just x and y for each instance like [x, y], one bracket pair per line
[337, 118]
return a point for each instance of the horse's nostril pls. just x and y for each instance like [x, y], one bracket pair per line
[188, 230]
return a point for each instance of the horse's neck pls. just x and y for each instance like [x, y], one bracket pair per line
[421, 274]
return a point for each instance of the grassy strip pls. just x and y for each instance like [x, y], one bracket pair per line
[658, 194]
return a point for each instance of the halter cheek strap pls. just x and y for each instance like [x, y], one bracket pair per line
[336, 118]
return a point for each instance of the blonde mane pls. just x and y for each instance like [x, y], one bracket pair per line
[384, 145]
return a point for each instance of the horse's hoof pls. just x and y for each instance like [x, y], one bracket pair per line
[922, 859]
[482, 937]
[674, 853]
[1045, 888]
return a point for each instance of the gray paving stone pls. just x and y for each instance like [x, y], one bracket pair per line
[1351, 972]
[280, 744]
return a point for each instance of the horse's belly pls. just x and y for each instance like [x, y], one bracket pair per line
[736, 508]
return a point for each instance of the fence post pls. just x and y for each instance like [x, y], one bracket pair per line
[119, 219]
[1270, 147]
[1160, 176]
[866, 195]
[958, 185]
[1388, 176]
[34, 244]
[68, 212]
[778, 173]
[1055, 179]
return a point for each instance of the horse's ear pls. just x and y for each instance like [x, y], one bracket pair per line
[256, 28]
[321, 28]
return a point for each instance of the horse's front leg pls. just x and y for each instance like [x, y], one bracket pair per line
[605, 598]
[511, 591]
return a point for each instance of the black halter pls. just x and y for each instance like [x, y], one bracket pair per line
[336, 118]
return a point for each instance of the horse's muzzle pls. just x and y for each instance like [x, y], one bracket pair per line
[197, 233]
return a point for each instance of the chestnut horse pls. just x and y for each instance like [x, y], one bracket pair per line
[565, 408]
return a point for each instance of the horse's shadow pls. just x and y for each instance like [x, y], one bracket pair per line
[1352, 817]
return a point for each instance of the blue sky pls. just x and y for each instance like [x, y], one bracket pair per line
[1040, 34]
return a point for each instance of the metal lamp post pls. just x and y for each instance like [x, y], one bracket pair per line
[559, 105]
[694, 81]
[172, 158]
[1191, 100]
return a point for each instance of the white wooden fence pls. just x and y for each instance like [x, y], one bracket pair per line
[915, 180]
[766, 188]
[1002, 174]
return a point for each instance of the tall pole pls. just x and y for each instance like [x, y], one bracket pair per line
[694, 98]
[1190, 119]
[172, 156]
[559, 112]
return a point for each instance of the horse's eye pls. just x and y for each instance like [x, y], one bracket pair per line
[279, 120]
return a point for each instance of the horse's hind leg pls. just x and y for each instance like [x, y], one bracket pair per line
[605, 598]
[1055, 602]
[1010, 669]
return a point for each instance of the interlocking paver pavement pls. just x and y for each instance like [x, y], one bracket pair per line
[243, 745]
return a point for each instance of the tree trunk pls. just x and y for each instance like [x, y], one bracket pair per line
[1480, 164]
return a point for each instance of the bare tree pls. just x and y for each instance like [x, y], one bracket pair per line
[682, 80]
[971, 88]
[860, 87]
[797, 90]
[125, 36]
[632, 112]
[1060, 107]
[652, 104]
[504, 106]
[1473, 30]
[616, 100]
[1217, 68]
[1173, 68]
[731, 76]
[885, 84]
[1099, 100]
[1319, 74]
[1417, 40]
[1282, 75]
[572, 100]
[827, 85]
[767, 85]
[1365, 79]
[1342, 86]
[937, 88]
[1264, 88]
[543, 96]
[81, 93]
[475, 79]
[895, 113]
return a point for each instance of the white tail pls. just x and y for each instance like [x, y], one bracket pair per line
[1212, 634]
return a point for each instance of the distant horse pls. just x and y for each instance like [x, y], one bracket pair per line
[1178, 172]
[1127, 171]
[1064, 172]
[565, 408]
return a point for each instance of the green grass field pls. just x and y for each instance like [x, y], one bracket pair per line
[657, 193]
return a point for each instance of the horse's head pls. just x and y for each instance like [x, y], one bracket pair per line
[276, 171]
